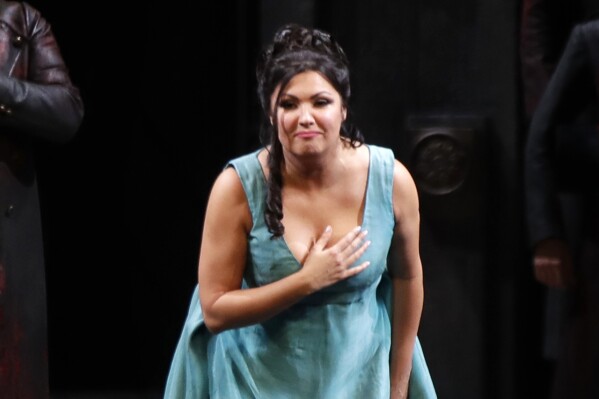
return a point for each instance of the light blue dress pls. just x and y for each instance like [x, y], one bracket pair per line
[333, 344]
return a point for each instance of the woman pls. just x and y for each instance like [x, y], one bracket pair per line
[295, 296]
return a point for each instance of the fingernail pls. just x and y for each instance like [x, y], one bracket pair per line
[328, 229]
[358, 228]
[365, 232]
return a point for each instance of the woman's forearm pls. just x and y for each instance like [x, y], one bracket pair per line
[407, 308]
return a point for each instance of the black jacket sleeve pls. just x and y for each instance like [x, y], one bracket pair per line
[44, 104]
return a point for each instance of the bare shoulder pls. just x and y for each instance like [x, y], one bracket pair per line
[405, 194]
[228, 198]
[228, 184]
[402, 178]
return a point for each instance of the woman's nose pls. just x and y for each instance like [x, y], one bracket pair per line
[306, 118]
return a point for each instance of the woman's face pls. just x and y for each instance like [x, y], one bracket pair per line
[308, 115]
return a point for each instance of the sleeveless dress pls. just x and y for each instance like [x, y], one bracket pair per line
[333, 344]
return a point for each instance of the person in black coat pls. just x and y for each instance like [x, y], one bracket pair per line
[38, 104]
[562, 206]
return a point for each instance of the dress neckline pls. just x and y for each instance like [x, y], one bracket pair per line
[282, 240]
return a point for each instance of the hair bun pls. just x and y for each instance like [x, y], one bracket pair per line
[294, 37]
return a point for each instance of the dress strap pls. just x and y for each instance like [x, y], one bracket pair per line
[380, 184]
[253, 181]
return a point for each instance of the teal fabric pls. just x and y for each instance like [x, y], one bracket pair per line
[333, 344]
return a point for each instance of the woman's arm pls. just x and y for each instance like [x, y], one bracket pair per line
[406, 273]
[223, 257]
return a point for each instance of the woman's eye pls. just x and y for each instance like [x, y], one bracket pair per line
[287, 104]
[321, 102]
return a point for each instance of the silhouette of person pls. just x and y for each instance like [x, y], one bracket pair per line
[561, 166]
[38, 103]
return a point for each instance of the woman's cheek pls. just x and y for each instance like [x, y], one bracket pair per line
[287, 123]
[283, 130]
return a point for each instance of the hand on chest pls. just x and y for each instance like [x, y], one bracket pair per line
[307, 215]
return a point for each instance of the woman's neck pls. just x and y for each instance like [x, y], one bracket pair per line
[315, 171]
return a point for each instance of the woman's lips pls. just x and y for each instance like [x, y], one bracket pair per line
[307, 135]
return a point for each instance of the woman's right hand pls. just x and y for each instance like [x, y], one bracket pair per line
[326, 266]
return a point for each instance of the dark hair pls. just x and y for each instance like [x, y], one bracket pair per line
[296, 49]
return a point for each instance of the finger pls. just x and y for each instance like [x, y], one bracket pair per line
[324, 238]
[351, 241]
[550, 277]
[354, 256]
[557, 276]
[348, 238]
[554, 279]
[355, 270]
[547, 271]
[542, 274]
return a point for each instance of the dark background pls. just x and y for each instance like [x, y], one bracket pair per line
[169, 92]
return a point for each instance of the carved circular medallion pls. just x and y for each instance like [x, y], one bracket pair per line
[439, 163]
